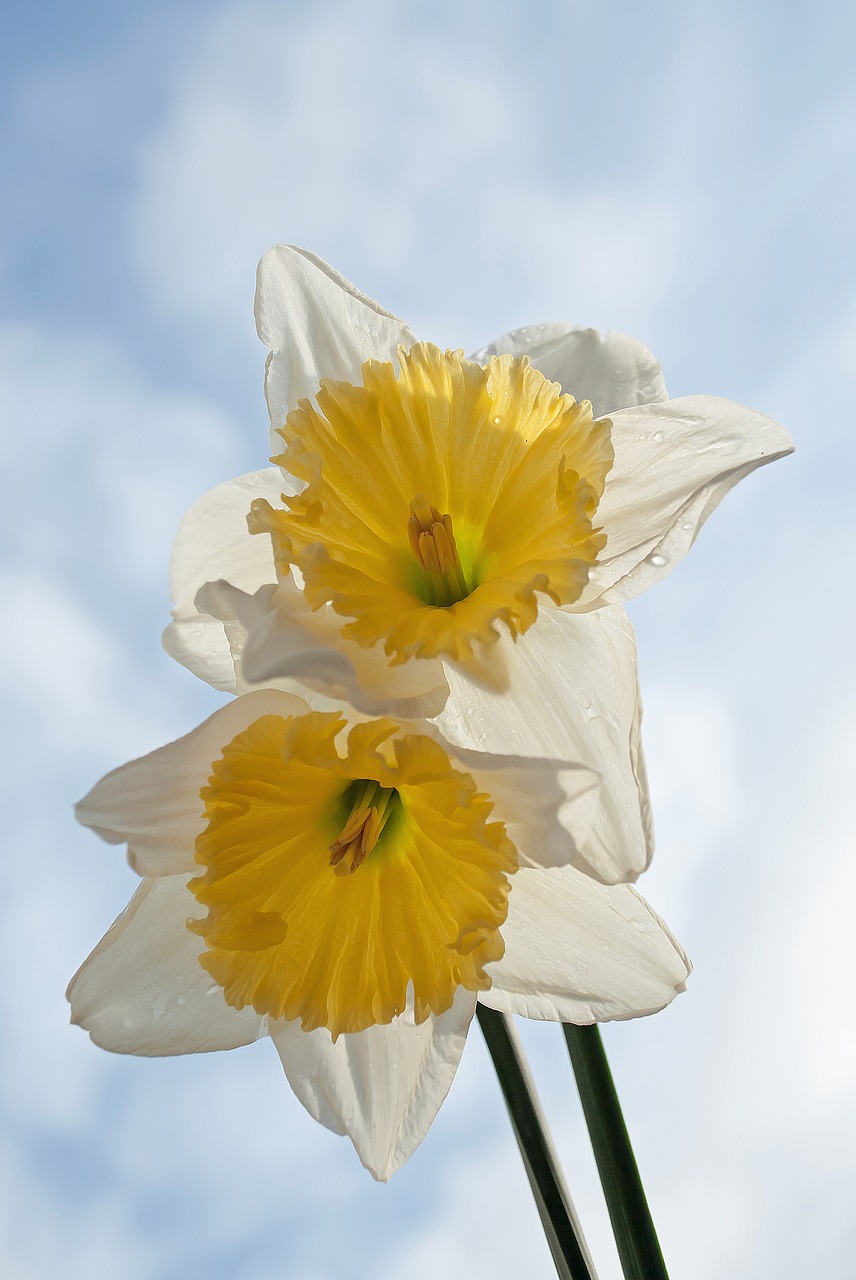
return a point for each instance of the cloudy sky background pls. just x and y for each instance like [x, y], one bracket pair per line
[682, 173]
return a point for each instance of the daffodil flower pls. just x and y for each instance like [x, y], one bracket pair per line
[455, 538]
[351, 888]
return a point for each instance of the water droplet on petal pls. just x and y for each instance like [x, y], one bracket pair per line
[160, 1004]
[657, 560]
[658, 437]
[688, 525]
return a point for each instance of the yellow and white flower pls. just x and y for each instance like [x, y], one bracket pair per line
[351, 889]
[455, 538]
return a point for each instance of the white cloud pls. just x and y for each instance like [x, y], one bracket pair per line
[53, 657]
[102, 461]
[485, 1224]
[612, 256]
[87, 1240]
[293, 136]
[420, 152]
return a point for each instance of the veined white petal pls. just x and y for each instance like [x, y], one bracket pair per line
[548, 806]
[383, 1086]
[317, 325]
[674, 463]
[153, 803]
[142, 990]
[573, 695]
[609, 369]
[579, 951]
[213, 542]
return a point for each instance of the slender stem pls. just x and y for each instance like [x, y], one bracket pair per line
[635, 1237]
[558, 1218]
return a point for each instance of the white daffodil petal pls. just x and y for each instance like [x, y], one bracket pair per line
[317, 325]
[213, 542]
[201, 644]
[573, 695]
[609, 369]
[286, 640]
[674, 463]
[153, 803]
[383, 1086]
[578, 951]
[143, 991]
[548, 806]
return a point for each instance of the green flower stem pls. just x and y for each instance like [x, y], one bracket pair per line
[558, 1218]
[635, 1237]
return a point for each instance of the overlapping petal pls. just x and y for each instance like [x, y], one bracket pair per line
[278, 640]
[610, 370]
[213, 536]
[574, 696]
[153, 804]
[382, 1086]
[578, 951]
[674, 463]
[143, 990]
[316, 325]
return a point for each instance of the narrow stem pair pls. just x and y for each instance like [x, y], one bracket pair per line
[635, 1237]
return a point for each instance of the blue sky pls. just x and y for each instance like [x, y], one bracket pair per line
[684, 174]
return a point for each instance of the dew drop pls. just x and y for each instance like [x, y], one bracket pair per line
[657, 561]
[688, 525]
[160, 1004]
[497, 420]
[658, 437]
